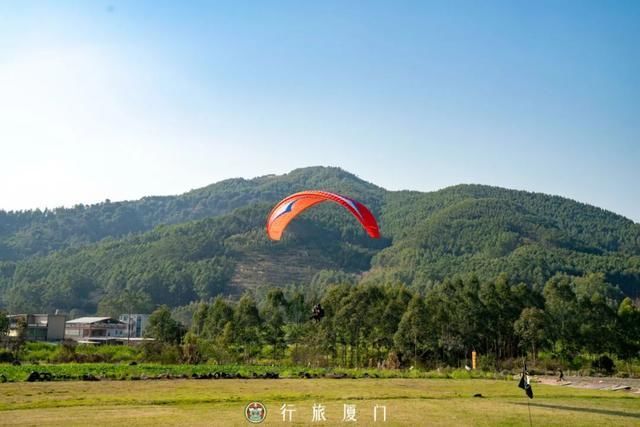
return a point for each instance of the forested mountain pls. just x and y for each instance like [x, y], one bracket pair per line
[134, 255]
[27, 233]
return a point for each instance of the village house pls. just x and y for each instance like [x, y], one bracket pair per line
[96, 329]
[39, 327]
[137, 324]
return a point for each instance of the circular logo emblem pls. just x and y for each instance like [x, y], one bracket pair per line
[255, 412]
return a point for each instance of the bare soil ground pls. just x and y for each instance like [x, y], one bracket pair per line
[630, 385]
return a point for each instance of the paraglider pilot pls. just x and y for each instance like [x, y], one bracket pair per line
[317, 313]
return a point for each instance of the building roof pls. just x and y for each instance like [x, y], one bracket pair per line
[93, 320]
[25, 315]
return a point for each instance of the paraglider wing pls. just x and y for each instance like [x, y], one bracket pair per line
[293, 205]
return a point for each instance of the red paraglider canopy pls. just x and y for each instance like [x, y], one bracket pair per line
[291, 206]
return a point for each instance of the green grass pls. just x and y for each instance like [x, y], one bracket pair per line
[411, 402]
[75, 371]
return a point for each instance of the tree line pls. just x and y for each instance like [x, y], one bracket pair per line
[394, 326]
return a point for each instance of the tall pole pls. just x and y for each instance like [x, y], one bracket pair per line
[129, 324]
[524, 371]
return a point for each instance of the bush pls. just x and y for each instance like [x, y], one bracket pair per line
[392, 361]
[6, 356]
[604, 364]
[35, 352]
[511, 364]
[157, 352]
[211, 351]
[487, 362]
[118, 353]
[306, 355]
[548, 362]
[39, 346]
[579, 363]
[460, 374]
[38, 355]
[66, 352]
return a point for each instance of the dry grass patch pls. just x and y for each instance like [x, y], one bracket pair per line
[408, 401]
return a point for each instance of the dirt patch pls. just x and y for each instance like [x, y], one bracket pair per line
[629, 385]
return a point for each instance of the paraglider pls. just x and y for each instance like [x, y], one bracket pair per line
[291, 206]
[317, 313]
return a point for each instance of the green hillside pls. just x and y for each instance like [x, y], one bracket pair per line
[210, 241]
[489, 230]
[28, 233]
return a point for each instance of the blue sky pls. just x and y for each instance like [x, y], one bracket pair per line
[125, 99]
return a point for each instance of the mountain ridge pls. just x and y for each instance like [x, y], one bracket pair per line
[208, 241]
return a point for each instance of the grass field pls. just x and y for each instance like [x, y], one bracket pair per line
[411, 402]
[119, 371]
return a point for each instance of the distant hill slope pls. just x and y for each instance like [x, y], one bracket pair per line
[182, 248]
[27, 233]
[489, 230]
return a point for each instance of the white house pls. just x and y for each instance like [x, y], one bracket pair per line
[95, 329]
[137, 324]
